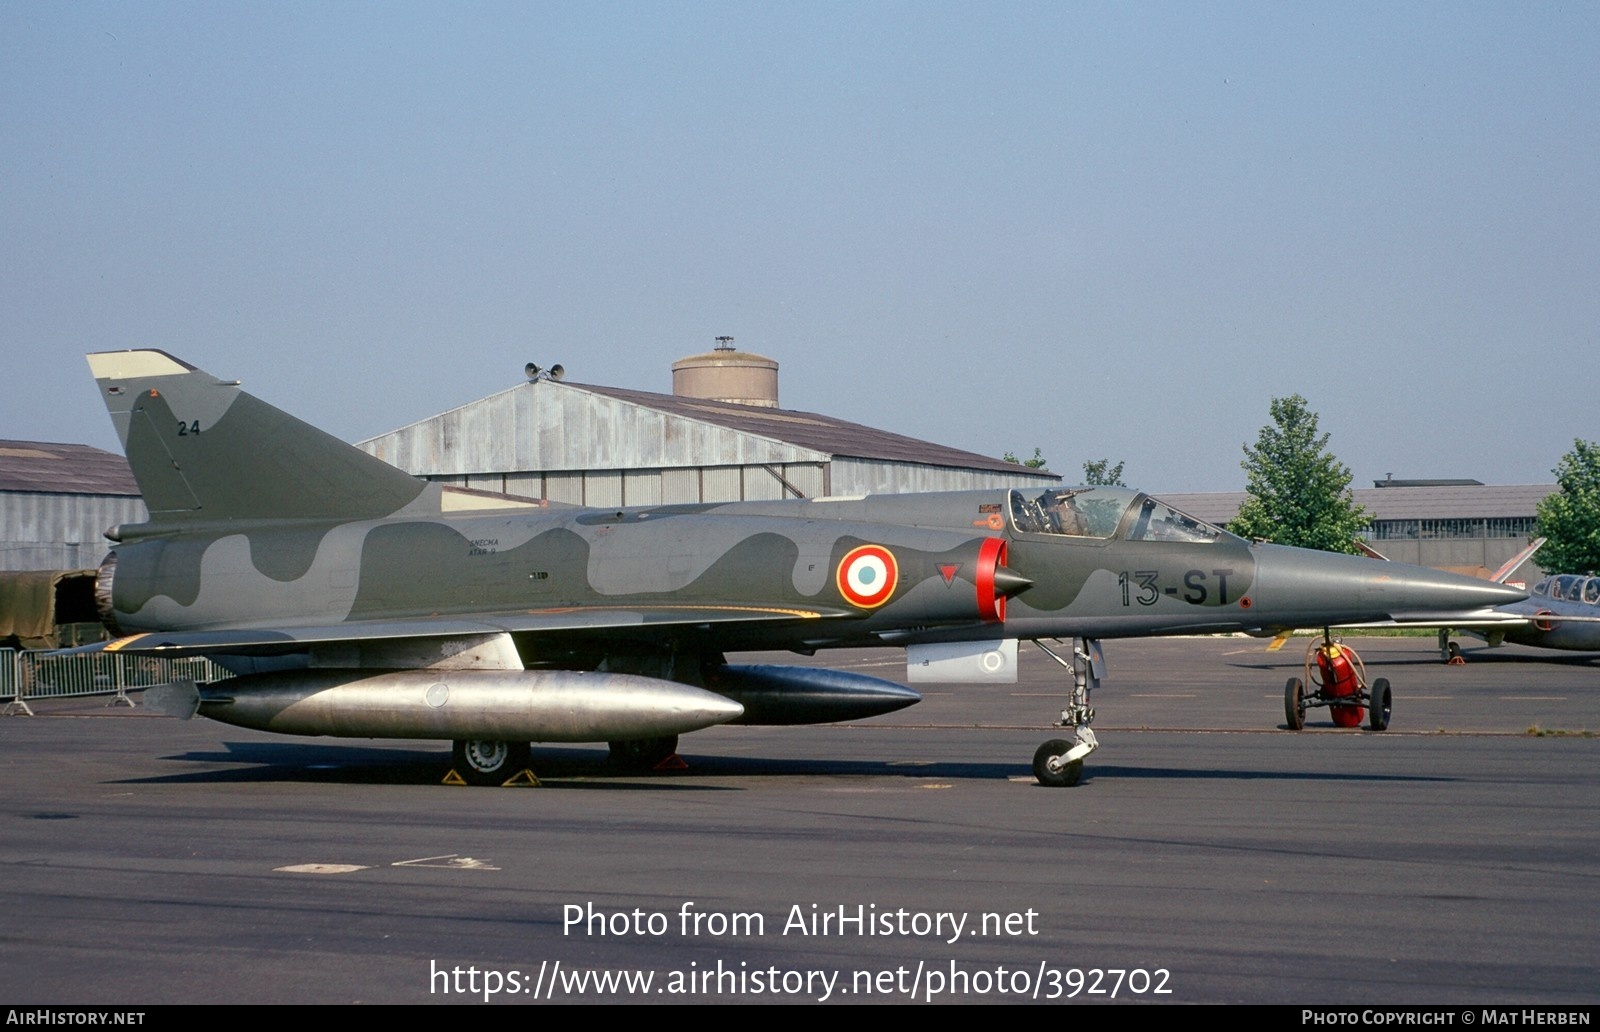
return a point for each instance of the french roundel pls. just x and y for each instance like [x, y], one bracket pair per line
[868, 575]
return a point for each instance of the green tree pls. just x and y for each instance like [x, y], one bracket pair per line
[1102, 473]
[1037, 462]
[1570, 516]
[1299, 492]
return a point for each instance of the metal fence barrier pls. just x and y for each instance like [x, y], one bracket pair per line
[42, 675]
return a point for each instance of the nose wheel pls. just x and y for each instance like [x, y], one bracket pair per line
[1052, 769]
[1058, 763]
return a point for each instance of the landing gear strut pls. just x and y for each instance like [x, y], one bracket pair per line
[1449, 651]
[1058, 763]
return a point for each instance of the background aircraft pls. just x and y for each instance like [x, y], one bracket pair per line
[1561, 612]
[352, 599]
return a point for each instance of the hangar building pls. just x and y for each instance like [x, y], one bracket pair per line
[720, 436]
[56, 502]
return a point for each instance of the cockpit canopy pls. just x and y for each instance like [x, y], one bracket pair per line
[1569, 587]
[1106, 512]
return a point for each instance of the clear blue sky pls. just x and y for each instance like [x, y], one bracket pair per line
[1101, 230]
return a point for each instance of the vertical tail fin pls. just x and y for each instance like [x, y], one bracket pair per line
[202, 449]
[1515, 562]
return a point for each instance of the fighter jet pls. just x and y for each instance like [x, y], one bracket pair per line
[352, 599]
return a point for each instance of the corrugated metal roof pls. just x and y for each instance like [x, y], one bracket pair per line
[1217, 507]
[44, 468]
[811, 430]
[1488, 501]
[1456, 502]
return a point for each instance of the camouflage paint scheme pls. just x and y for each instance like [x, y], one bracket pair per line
[272, 544]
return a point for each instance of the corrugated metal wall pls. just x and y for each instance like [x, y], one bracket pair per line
[1487, 554]
[867, 476]
[60, 531]
[656, 486]
[739, 483]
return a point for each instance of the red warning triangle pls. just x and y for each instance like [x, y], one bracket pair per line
[948, 571]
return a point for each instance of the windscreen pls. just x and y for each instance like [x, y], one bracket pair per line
[1569, 588]
[1104, 512]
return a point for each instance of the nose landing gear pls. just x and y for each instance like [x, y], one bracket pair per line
[1058, 763]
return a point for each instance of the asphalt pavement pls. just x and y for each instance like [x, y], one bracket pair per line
[1209, 854]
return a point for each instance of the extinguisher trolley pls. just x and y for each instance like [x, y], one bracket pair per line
[1335, 678]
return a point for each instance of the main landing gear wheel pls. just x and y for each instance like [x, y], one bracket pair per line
[1382, 703]
[1294, 704]
[1049, 768]
[489, 762]
[640, 754]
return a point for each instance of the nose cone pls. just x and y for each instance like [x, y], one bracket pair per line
[708, 712]
[1297, 587]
